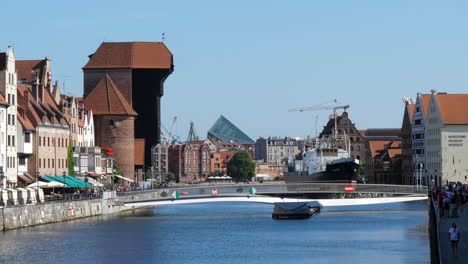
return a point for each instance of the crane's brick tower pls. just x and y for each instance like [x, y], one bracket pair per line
[138, 70]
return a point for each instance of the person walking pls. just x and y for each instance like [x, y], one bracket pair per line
[454, 206]
[446, 204]
[454, 237]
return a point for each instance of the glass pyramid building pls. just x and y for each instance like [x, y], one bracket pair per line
[224, 130]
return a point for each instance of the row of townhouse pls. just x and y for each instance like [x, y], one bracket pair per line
[37, 125]
[195, 160]
[434, 133]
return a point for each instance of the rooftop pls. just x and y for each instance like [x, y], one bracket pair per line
[135, 55]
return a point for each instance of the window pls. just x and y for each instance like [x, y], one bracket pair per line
[9, 119]
[12, 99]
[13, 141]
[48, 141]
[358, 148]
[40, 163]
[53, 165]
[13, 119]
[417, 122]
[43, 141]
[9, 141]
[48, 163]
[27, 137]
[21, 161]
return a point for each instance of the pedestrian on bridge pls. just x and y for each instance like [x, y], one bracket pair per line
[454, 236]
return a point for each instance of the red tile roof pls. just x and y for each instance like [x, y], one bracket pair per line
[425, 100]
[137, 55]
[411, 108]
[453, 108]
[28, 69]
[139, 152]
[107, 99]
[376, 146]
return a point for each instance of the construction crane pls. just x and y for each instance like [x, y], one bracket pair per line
[335, 107]
[170, 138]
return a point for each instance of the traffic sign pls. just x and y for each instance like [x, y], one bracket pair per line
[349, 188]
[214, 192]
[252, 191]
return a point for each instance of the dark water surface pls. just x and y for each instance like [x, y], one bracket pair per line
[228, 233]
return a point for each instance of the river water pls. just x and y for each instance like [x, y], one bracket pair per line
[228, 233]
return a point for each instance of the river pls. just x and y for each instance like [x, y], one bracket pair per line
[228, 233]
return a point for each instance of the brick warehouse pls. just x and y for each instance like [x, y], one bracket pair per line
[138, 70]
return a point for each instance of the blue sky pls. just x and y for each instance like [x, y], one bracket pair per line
[252, 60]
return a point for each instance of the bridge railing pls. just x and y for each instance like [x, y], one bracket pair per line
[288, 188]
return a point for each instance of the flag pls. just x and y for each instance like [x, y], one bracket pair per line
[252, 191]
[175, 195]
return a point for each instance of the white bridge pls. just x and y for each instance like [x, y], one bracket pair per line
[270, 200]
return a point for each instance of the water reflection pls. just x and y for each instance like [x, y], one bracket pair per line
[228, 233]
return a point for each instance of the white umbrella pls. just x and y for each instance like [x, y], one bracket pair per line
[46, 185]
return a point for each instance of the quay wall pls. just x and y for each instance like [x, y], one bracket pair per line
[19, 216]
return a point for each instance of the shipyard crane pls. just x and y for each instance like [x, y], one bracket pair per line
[335, 107]
[170, 139]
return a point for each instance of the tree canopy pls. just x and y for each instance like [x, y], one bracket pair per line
[241, 167]
[70, 159]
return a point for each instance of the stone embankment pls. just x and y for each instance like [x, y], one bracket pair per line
[19, 216]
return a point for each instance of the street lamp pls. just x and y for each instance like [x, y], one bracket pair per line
[64, 182]
[37, 183]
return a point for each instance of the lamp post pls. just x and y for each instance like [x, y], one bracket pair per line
[64, 182]
[37, 187]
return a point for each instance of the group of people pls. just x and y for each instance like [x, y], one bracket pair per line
[451, 199]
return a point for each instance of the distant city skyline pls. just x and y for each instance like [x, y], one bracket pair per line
[253, 60]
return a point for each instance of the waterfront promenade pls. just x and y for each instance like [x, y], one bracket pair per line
[445, 246]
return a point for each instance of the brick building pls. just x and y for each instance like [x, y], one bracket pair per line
[406, 140]
[219, 161]
[114, 123]
[138, 70]
[345, 128]
[384, 161]
[190, 162]
[52, 130]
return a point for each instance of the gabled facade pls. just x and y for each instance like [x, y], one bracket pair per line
[8, 87]
[3, 137]
[190, 162]
[406, 138]
[345, 129]
[446, 133]
[421, 109]
[88, 129]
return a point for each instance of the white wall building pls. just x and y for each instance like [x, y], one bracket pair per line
[88, 129]
[8, 87]
[446, 134]
[3, 138]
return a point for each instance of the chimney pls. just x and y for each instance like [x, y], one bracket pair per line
[38, 92]
[35, 92]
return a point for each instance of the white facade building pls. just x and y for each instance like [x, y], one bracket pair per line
[3, 138]
[8, 87]
[446, 134]
[88, 129]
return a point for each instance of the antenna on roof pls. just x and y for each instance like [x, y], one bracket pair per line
[163, 36]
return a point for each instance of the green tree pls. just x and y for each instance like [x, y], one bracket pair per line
[362, 169]
[170, 177]
[70, 159]
[241, 167]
